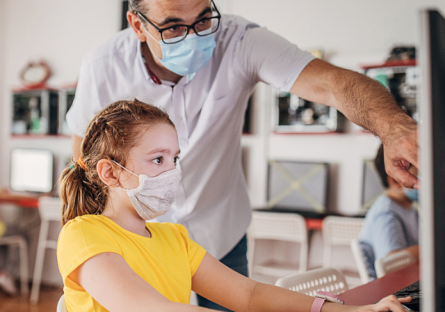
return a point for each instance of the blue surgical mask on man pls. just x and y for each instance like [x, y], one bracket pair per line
[187, 56]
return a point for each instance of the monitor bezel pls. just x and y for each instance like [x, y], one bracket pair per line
[430, 169]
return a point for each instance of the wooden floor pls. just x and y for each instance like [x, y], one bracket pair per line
[49, 296]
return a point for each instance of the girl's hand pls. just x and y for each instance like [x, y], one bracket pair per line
[390, 303]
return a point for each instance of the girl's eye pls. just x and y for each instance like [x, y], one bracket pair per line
[158, 160]
[176, 159]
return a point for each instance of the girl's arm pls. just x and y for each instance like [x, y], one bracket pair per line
[224, 286]
[112, 283]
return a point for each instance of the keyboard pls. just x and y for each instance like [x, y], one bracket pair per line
[412, 290]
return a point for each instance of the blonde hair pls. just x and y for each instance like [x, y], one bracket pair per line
[110, 135]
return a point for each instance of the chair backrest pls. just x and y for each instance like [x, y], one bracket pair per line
[341, 230]
[278, 226]
[324, 279]
[50, 208]
[359, 261]
[393, 262]
[61, 306]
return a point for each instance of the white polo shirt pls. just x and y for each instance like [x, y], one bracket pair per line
[208, 111]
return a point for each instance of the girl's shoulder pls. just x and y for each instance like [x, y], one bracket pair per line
[87, 223]
[85, 220]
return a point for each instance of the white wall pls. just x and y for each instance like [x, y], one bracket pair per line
[350, 30]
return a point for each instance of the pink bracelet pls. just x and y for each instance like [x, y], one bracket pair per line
[317, 305]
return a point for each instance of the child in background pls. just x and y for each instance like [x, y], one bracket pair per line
[111, 259]
[392, 223]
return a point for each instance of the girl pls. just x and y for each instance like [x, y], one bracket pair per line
[111, 259]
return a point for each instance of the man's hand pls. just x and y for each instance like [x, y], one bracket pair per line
[400, 150]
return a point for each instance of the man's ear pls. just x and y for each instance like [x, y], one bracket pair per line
[136, 24]
[107, 173]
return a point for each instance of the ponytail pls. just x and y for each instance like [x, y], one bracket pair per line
[80, 197]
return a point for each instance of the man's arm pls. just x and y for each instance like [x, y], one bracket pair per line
[368, 104]
[77, 141]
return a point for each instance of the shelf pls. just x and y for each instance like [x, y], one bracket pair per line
[391, 64]
[40, 136]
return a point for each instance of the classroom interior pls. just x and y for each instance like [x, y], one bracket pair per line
[331, 154]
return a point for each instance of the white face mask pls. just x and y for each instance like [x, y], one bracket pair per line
[154, 195]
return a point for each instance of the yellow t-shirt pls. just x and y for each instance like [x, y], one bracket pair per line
[167, 260]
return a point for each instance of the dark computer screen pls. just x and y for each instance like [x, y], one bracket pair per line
[432, 156]
[31, 170]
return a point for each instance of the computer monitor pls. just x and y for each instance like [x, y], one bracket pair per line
[298, 186]
[31, 170]
[432, 160]
[372, 187]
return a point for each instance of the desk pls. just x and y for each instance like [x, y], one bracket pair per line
[382, 287]
[18, 200]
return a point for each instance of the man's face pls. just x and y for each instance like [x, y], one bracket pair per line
[167, 13]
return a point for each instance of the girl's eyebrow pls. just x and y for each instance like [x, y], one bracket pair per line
[162, 150]
[159, 150]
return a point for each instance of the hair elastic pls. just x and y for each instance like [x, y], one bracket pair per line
[81, 163]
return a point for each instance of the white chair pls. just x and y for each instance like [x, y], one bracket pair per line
[49, 210]
[339, 231]
[23, 250]
[360, 261]
[393, 262]
[61, 306]
[288, 227]
[324, 279]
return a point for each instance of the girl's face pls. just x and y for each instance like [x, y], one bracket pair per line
[156, 152]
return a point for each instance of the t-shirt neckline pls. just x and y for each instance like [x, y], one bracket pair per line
[127, 231]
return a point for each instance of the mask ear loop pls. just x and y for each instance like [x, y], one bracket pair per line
[124, 169]
[149, 47]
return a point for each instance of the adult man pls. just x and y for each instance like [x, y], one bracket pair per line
[392, 223]
[201, 68]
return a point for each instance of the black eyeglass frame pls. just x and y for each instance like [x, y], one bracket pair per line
[161, 30]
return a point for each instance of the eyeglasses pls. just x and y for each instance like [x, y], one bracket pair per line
[178, 32]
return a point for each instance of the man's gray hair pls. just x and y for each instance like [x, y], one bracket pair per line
[136, 5]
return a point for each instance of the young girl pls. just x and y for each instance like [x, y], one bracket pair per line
[111, 259]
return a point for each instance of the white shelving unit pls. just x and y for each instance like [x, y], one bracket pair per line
[345, 152]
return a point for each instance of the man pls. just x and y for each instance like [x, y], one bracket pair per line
[201, 68]
[391, 224]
